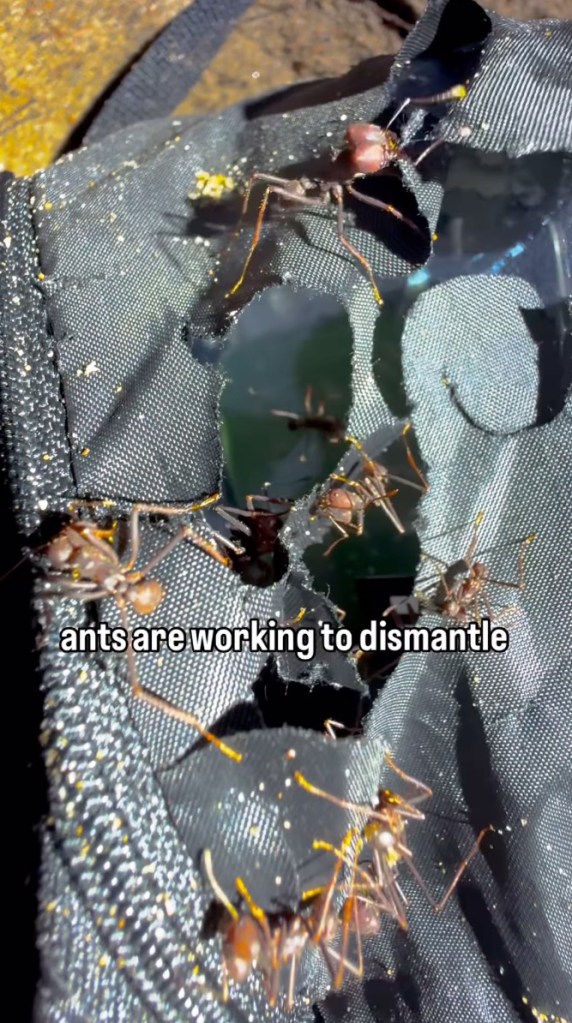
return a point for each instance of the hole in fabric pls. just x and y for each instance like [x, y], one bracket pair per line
[303, 706]
[289, 353]
[284, 343]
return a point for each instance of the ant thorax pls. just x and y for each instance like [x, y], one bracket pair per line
[295, 938]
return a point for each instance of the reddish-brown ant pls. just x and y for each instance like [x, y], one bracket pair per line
[368, 149]
[345, 506]
[258, 557]
[462, 585]
[272, 942]
[86, 567]
[384, 837]
[314, 419]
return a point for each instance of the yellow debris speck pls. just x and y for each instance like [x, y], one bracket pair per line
[211, 186]
[84, 452]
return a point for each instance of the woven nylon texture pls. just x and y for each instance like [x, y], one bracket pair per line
[111, 264]
[169, 68]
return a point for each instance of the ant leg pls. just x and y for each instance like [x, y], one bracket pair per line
[330, 727]
[349, 913]
[280, 189]
[342, 529]
[439, 565]
[207, 862]
[295, 962]
[430, 149]
[379, 205]
[142, 693]
[457, 92]
[424, 792]
[383, 501]
[345, 804]
[439, 905]
[292, 416]
[356, 443]
[227, 515]
[251, 498]
[470, 554]
[269, 179]
[308, 401]
[340, 860]
[520, 585]
[187, 533]
[411, 459]
[339, 197]
[392, 899]
[74, 589]
[256, 237]
[488, 607]
[140, 508]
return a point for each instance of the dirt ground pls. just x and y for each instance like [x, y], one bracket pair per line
[278, 44]
[58, 56]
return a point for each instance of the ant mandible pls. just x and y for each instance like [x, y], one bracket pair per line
[368, 149]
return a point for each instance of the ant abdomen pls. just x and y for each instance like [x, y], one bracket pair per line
[242, 947]
[145, 596]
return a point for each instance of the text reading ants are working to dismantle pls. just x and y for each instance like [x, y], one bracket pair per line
[272, 637]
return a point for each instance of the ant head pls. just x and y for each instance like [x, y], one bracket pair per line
[61, 549]
[242, 946]
[360, 132]
[371, 149]
[145, 596]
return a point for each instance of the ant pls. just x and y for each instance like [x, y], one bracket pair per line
[259, 556]
[463, 584]
[315, 419]
[367, 150]
[384, 836]
[345, 506]
[270, 942]
[86, 567]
